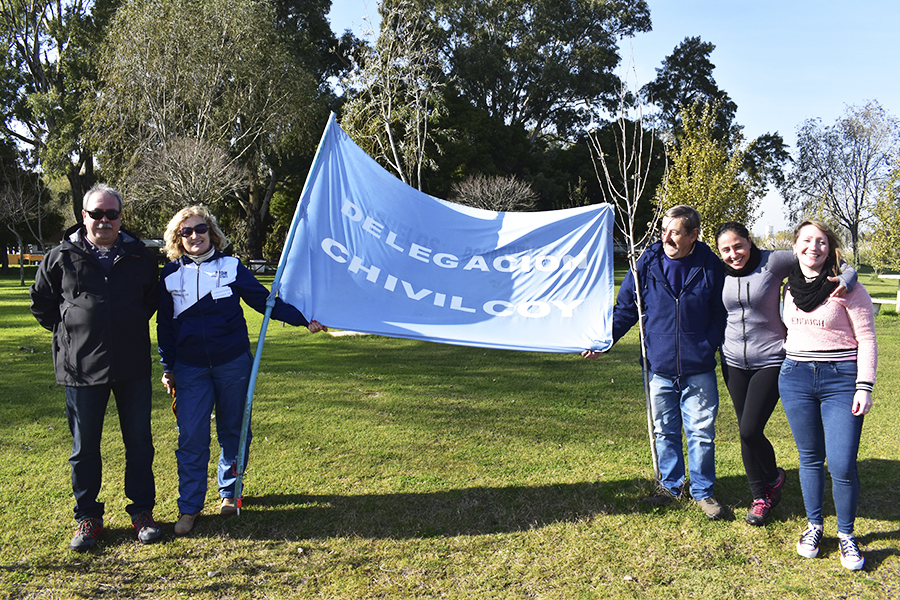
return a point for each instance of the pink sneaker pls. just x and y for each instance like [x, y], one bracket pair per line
[759, 512]
[773, 492]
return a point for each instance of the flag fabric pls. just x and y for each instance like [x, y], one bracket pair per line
[371, 254]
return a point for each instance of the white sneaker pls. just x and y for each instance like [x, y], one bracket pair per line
[851, 557]
[808, 546]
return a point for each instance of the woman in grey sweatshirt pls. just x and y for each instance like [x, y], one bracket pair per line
[752, 352]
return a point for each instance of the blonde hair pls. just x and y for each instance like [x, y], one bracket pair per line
[174, 249]
[834, 242]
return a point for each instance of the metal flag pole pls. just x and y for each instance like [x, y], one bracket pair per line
[239, 466]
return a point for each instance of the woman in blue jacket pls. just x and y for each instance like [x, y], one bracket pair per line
[205, 350]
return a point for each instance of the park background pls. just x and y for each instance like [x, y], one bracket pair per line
[393, 468]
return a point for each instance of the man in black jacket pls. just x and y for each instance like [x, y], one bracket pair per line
[96, 292]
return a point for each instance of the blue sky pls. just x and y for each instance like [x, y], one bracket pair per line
[781, 61]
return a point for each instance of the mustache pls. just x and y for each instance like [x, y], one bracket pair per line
[102, 225]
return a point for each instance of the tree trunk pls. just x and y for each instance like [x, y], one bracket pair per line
[854, 242]
[21, 254]
[81, 178]
[255, 221]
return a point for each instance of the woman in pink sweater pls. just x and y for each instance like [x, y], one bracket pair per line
[826, 383]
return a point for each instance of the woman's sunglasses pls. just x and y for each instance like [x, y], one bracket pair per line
[110, 213]
[200, 228]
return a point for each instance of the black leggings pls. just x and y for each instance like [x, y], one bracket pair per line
[754, 394]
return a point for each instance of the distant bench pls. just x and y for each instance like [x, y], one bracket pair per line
[877, 302]
[262, 267]
[27, 259]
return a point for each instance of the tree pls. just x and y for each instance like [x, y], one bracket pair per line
[839, 169]
[50, 56]
[707, 174]
[536, 63]
[624, 181]
[686, 80]
[210, 74]
[24, 211]
[398, 84]
[885, 231]
[303, 24]
[494, 192]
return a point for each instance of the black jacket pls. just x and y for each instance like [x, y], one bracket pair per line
[100, 322]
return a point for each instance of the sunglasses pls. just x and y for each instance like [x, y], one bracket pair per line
[200, 228]
[110, 213]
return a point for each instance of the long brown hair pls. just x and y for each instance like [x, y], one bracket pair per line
[834, 242]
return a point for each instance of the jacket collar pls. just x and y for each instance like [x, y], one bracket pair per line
[75, 236]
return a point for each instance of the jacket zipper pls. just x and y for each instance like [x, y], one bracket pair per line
[744, 321]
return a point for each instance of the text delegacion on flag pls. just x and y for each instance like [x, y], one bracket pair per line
[373, 255]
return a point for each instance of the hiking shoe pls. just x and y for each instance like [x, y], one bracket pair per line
[851, 557]
[146, 528]
[759, 512]
[662, 497]
[808, 546]
[86, 536]
[773, 492]
[711, 508]
[229, 506]
[185, 523]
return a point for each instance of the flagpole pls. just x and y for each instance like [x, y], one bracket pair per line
[270, 304]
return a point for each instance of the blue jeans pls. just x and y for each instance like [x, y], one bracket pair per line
[817, 399]
[85, 411]
[199, 390]
[691, 402]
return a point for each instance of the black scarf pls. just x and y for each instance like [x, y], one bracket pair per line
[808, 295]
[752, 263]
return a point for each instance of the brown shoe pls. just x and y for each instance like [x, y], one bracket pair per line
[711, 508]
[185, 523]
[229, 506]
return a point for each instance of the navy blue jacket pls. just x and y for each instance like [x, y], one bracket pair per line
[683, 332]
[200, 321]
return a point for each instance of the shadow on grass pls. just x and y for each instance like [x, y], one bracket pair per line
[470, 511]
[498, 510]
[462, 512]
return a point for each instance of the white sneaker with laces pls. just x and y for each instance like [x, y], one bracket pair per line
[808, 546]
[851, 557]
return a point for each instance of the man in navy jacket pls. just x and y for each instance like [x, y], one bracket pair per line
[681, 283]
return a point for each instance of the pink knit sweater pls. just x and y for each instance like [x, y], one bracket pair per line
[838, 329]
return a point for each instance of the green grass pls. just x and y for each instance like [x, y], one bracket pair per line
[386, 468]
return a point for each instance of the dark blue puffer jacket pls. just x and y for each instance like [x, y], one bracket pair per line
[683, 332]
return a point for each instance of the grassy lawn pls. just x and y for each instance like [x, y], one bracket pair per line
[386, 468]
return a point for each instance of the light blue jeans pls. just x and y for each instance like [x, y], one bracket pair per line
[690, 402]
[198, 391]
[817, 399]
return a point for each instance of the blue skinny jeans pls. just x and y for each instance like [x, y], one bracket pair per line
[817, 399]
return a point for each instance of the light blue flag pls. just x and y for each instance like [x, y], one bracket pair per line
[373, 255]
